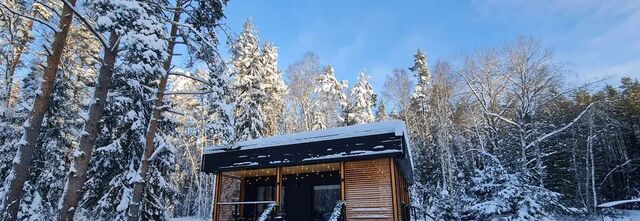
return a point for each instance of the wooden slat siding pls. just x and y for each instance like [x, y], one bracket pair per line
[394, 187]
[368, 191]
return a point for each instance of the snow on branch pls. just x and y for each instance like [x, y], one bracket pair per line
[190, 77]
[266, 212]
[618, 202]
[544, 137]
[201, 36]
[188, 92]
[86, 23]
[175, 112]
[49, 25]
[504, 119]
[614, 169]
[337, 211]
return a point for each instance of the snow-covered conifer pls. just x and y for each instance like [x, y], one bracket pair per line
[275, 90]
[61, 127]
[330, 102]
[362, 99]
[121, 140]
[381, 113]
[250, 84]
[220, 106]
[421, 68]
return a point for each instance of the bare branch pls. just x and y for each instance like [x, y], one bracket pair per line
[190, 77]
[175, 112]
[504, 119]
[88, 25]
[544, 137]
[49, 25]
[188, 92]
[614, 169]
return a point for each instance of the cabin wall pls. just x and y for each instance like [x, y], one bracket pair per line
[402, 190]
[368, 189]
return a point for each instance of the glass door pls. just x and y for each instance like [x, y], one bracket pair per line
[325, 198]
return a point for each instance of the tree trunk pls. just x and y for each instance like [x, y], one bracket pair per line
[14, 64]
[20, 169]
[81, 157]
[138, 188]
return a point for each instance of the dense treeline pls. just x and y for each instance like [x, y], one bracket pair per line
[98, 122]
[500, 135]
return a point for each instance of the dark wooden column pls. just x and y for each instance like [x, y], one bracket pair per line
[394, 192]
[216, 199]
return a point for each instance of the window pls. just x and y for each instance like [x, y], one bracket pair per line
[325, 198]
[264, 193]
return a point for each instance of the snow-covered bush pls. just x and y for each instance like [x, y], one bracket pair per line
[498, 194]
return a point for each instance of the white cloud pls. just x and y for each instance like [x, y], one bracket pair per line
[600, 38]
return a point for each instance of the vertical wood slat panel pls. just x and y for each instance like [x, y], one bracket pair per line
[368, 190]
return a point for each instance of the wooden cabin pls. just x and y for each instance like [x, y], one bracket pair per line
[359, 172]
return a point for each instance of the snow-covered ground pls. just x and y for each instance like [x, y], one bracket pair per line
[187, 219]
[626, 215]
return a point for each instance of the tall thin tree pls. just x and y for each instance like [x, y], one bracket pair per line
[23, 158]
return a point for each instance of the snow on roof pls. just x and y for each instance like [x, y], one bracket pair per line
[618, 202]
[391, 126]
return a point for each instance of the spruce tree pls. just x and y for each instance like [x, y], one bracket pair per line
[275, 90]
[250, 85]
[331, 100]
[362, 98]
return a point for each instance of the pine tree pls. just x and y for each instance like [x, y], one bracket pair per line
[11, 132]
[113, 170]
[19, 173]
[61, 127]
[363, 98]
[15, 37]
[250, 85]
[331, 100]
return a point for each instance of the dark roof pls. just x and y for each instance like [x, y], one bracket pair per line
[357, 142]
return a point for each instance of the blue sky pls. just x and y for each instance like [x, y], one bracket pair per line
[596, 39]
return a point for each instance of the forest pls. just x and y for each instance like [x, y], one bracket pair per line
[106, 107]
